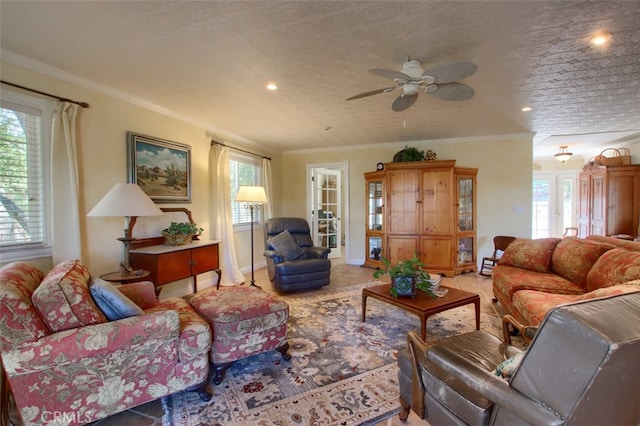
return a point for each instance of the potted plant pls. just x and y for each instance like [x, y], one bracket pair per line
[179, 233]
[407, 276]
[409, 154]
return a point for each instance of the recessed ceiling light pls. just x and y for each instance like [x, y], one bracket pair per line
[272, 86]
[526, 109]
[600, 39]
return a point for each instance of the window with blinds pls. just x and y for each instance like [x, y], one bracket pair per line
[23, 216]
[244, 170]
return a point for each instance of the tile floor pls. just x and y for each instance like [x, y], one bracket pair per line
[342, 275]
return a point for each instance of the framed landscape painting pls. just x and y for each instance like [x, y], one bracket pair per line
[161, 168]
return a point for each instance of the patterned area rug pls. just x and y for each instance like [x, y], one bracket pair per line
[343, 371]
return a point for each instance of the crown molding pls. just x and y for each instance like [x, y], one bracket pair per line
[58, 74]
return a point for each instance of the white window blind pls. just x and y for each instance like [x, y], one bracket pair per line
[23, 213]
[244, 170]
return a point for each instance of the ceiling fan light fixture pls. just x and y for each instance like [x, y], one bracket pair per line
[563, 155]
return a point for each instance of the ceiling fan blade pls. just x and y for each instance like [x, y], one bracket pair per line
[403, 102]
[390, 74]
[448, 73]
[371, 93]
[451, 91]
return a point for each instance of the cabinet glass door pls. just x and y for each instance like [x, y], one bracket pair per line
[374, 221]
[465, 250]
[465, 204]
[375, 248]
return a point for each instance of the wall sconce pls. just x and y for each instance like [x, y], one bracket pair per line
[563, 155]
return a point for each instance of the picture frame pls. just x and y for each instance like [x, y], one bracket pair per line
[160, 167]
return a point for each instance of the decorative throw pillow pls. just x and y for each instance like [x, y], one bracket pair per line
[111, 301]
[530, 254]
[507, 367]
[63, 299]
[616, 266]
[574, 257]
[284, 243]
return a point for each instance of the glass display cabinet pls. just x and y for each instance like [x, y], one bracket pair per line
[466, 232]
[374, 210]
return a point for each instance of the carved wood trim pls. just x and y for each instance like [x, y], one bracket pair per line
[136, 243]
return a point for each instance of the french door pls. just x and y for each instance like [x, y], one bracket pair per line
[554, 204]
[326, 208]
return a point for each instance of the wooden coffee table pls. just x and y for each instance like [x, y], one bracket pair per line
[422, 304]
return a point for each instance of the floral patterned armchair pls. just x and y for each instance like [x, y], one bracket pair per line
[65, 362]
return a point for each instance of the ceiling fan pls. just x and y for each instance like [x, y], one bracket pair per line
[439, 81]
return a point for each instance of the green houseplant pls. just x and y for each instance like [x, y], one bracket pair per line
[406, 276]
[409, 154]
[179, 233]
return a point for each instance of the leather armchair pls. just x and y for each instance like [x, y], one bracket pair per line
[311, 269]
[580, 368]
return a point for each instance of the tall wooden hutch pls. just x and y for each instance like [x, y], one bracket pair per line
[423, 207]
[609, 200]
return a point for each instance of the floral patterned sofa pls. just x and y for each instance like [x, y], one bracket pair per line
[535, 275]
[66, 363]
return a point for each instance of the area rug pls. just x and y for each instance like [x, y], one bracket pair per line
[342, 371]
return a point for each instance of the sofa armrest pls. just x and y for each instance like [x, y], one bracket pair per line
[277, 256]
[418, 349]
[318, 252]
[79, 345]
[492, 387]
[142, 293]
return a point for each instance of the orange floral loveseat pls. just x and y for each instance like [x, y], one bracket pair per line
[535, 275]
[67, 363]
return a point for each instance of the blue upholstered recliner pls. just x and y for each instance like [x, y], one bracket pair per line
[293, 262]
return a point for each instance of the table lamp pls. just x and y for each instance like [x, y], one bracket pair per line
[128, 200]
[252, 197]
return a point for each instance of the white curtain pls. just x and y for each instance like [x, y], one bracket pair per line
[64, 184]
[266, 182]
[221, 208]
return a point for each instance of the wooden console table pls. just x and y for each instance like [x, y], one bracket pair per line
[167, 264]
[172, 263]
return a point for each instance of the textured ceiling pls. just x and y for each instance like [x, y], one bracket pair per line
[210, 62]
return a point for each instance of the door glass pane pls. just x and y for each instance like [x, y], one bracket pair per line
[327, 210]
[568, 202]
[540, 210]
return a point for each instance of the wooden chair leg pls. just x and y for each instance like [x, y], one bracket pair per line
[405, 409]
[201, 390]
[284, 350]
[220, 370]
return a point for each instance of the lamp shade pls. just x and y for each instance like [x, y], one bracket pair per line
[252, 194]
[125, 199]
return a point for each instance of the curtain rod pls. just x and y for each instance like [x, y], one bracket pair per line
[241, 150]
[82, 104]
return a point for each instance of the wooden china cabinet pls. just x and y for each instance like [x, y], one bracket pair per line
[428, 208]
[609, 200]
